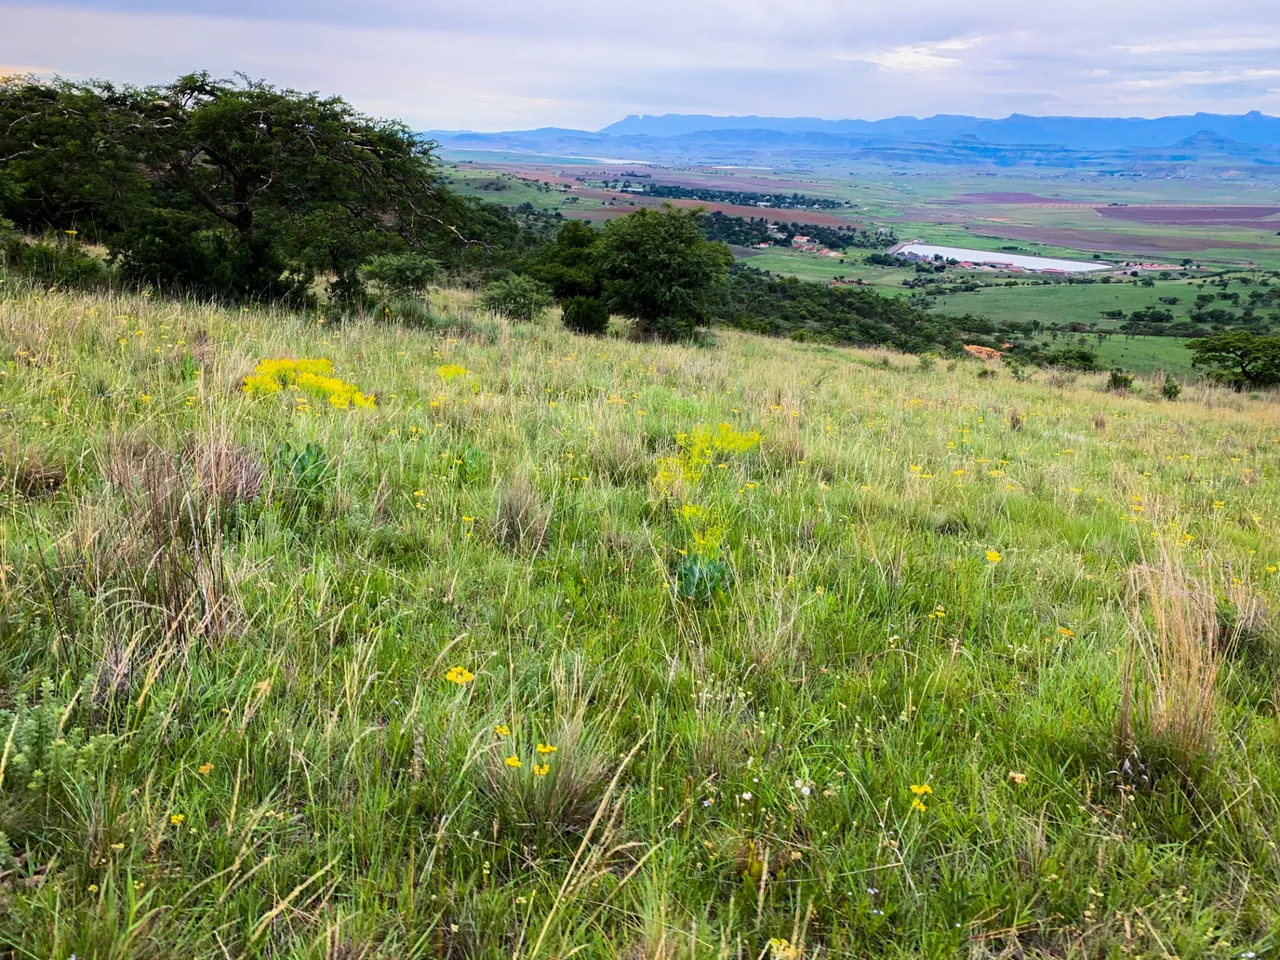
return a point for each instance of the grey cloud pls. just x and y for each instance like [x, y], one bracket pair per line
[494, 64]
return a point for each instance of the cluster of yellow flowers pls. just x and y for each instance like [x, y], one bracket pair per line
[697, 450]
[309, 376]
[920, 791]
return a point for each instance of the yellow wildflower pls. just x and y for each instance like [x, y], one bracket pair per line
[513, 762]
[459, 675]
[993, 556]
[546, 748]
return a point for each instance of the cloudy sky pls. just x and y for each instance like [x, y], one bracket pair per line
[516, 64]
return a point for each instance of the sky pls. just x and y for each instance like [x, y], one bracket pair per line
[520, 64]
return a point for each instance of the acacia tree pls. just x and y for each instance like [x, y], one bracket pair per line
[328, 185]
[659, 269]
[1239, 358]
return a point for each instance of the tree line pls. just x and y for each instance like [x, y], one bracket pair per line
[234, 188]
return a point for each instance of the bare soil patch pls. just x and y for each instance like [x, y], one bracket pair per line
[1191, 215]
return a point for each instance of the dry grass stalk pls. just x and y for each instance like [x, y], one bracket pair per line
[1173, 663]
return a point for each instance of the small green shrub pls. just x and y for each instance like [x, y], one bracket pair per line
[516, 298]
[45, 761]
[1119, 381]
[586, 315]
[1171, 389]
[50, 261]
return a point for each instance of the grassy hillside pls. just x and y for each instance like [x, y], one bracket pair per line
[489, 641]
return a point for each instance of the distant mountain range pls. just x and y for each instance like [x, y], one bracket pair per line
[1074, 133]
[1018, 140]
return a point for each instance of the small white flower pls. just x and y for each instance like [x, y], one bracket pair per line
[746, 795]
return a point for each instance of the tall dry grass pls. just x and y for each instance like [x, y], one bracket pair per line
[1172, 665]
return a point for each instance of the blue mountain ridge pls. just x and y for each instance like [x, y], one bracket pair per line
[1072, 133]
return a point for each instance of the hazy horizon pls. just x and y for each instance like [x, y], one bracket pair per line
[501, 65]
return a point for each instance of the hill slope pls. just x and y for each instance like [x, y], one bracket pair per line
[492, 641]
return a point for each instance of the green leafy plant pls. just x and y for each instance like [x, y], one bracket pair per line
[400, 275]
[307, 475]
[701, 579]
[43, 760]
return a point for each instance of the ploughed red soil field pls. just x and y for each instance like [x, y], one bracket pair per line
[1191, 215]
[1105, 242]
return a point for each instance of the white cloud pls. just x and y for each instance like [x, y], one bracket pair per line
[925, 56]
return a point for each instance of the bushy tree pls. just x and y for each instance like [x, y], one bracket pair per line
[65, 157]
[570, 264]
[1239, 358]
[586, 315]
[660, 270]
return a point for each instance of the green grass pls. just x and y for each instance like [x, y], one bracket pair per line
[1064, 303]
[1143, 354]
[809, 266]
[230, 623]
